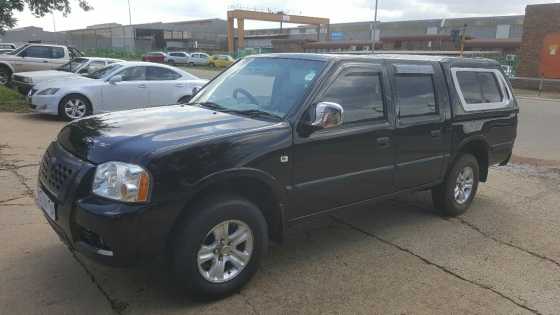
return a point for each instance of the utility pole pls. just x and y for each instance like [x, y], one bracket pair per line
[53, 20]
[374, 28]
[129, 14]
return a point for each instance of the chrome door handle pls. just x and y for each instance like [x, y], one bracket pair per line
[180, 85]
[436, 133]
[142, 86]
[45, 61]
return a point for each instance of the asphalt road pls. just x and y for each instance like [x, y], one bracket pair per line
[398, 257]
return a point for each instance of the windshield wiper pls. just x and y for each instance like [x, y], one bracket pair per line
[256, 113]
[210, 105]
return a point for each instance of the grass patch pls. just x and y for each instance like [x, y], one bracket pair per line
[12, 101]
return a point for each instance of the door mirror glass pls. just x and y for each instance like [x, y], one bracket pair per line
[115, 79]
[327, 115]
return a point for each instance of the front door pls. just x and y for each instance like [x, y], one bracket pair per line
[422, 137]
[353, 162]
[130, 93]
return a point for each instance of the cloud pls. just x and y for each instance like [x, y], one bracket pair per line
[144, 11]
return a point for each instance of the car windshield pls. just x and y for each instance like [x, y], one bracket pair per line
[104, 72]
[73, 65]
[263, 86]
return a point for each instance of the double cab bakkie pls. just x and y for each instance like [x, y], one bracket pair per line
[273, 140]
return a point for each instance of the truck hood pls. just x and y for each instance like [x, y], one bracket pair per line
[131, 136]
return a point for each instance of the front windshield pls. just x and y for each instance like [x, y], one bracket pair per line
[265, 85]
[73, 65]
[104, 72]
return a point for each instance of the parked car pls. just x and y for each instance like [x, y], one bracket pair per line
[199, 59]
[8, 46]
[5, 51]
[119, 86]
[177, 57]
[273, 140]
[35, 57]
[156, 56]
[221, 61]
[77, 66]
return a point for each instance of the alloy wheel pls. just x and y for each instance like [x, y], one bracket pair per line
[75, 108]
[464, 185]
[225, 251]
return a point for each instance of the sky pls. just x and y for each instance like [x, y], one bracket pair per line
[144, 11]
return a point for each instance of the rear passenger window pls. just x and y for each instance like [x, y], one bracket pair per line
[481, 89]
[415, 94]
[359, 94]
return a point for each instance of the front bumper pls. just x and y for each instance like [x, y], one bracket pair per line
[110, 232]
[45, 104]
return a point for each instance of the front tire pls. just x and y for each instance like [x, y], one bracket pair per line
[218, 248]
[454, 196]
[73, 107]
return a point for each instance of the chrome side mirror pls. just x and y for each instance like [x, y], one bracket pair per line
[327, 115]
[115, 79]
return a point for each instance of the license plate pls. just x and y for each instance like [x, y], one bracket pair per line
[45, 203]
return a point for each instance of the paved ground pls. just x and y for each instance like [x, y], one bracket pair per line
[399, 257]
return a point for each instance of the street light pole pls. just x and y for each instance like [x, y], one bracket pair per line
[129, 14]
[374, 28]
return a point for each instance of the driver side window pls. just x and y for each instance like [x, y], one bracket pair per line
[360, 94]
[134, 74]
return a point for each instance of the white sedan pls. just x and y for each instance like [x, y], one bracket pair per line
[120, 86]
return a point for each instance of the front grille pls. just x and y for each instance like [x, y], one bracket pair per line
[18, 78]
[54, 174]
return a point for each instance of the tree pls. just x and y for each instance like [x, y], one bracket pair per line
[37, 7]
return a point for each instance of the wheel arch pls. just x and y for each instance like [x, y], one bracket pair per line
[479, 148]
[252, 184]
[7, 65]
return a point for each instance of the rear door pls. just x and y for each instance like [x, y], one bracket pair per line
[164, 86]
[422, 137]
[355, 161]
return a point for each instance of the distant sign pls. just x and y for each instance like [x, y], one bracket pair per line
[337, 35]
[285, 18]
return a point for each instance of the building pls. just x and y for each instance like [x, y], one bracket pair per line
[22, 35]
[207, 34]
[540, 49]
[501, 33]
[187, 35]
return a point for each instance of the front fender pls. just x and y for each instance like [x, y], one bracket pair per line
[242, 172]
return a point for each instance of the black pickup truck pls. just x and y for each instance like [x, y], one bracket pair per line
[273, 140]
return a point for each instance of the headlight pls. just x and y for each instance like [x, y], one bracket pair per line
[50, 91]
[121, 181]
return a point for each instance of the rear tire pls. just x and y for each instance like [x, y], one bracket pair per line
[74, 106]
[5, 76]
[208, 259]
[454, 196]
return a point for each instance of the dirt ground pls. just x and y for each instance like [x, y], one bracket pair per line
[397, 257]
